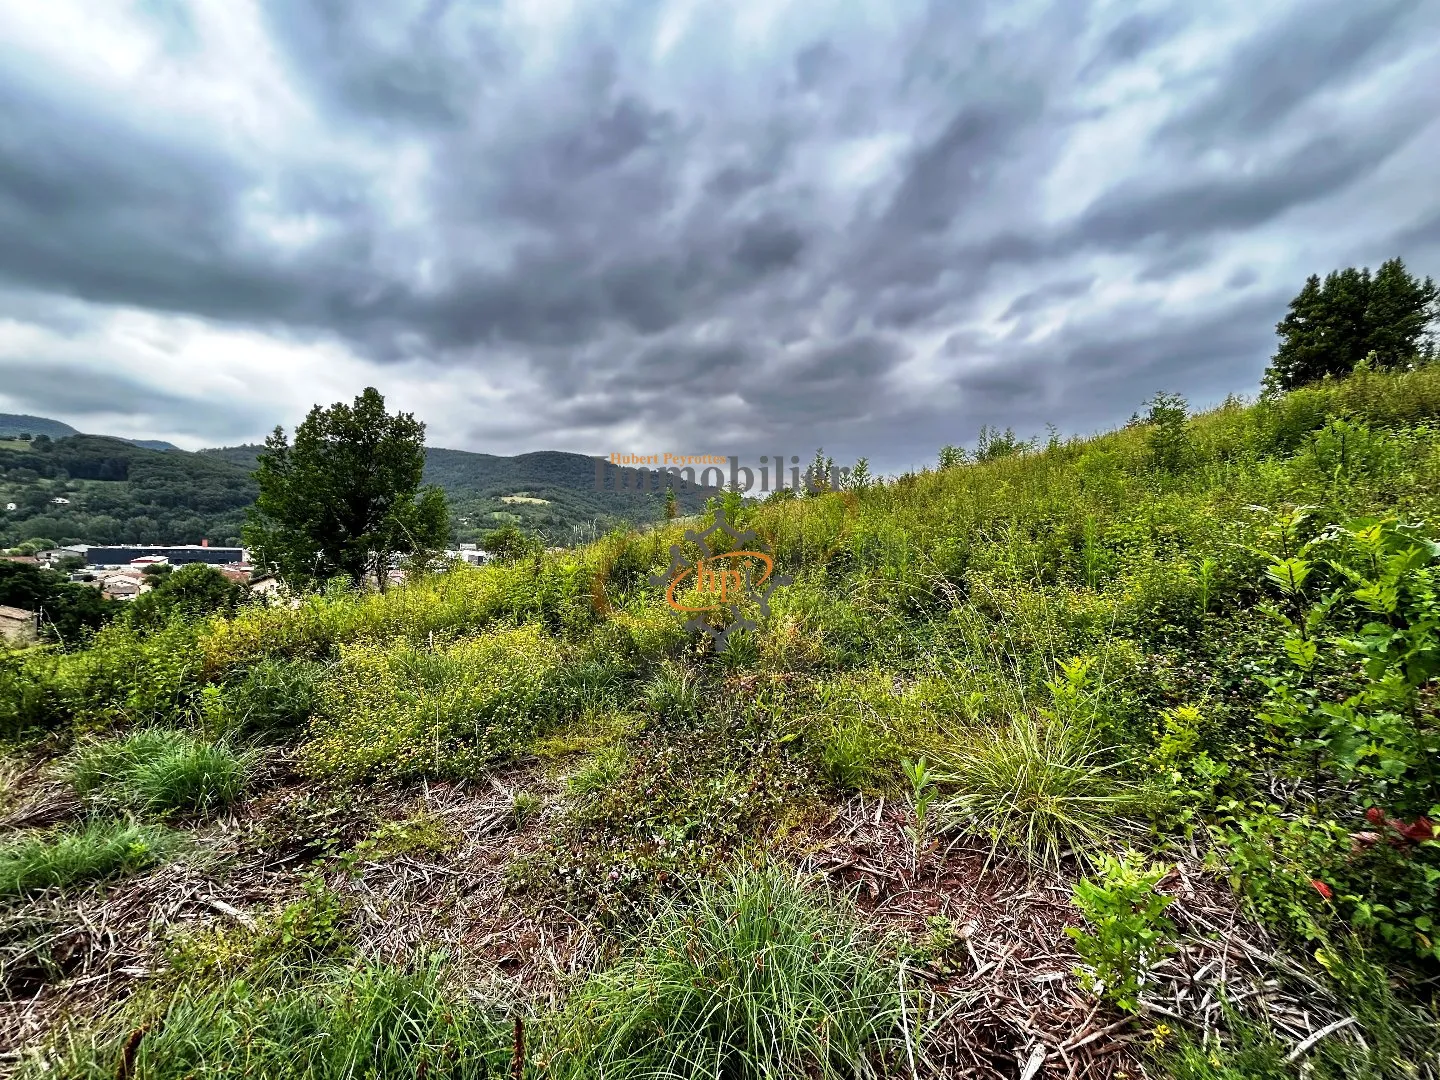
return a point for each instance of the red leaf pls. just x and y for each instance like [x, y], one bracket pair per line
[1375, 816]
[1419, 829]
[1321, 888]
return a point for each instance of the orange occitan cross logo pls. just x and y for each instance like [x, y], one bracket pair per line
[721, 580]
[721, 577]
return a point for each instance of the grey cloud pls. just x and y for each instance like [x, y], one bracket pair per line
[78, 392]
[1181, 211]
[620, 237]
[1316, 47]
[1128, 39]
[1037, 299]
[425, 67]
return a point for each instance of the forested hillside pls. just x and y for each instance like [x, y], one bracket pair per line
[1111, 759]
[119, 492]
[116, 492]
[17, 424]
[548, 492]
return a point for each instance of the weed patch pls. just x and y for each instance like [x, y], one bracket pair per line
[95, 851]
[161, 770]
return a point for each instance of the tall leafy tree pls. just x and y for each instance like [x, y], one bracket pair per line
[1301, 356]
[346, 497]
[1345, 302]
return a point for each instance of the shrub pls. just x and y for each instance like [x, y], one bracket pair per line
[273, 696]
[757, 977]
[399, 710]
[1034, 785]
[1131, 930]
[158, 770]
[97, 850]
[31, 692]
[1169, 443]
[193, 591]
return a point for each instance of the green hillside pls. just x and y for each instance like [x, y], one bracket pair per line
[1112, 759]
[549, 492]
[13, 424]
[117, 492]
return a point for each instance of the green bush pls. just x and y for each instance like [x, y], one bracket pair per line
[1034, 786]
[400, 710]
[1131, 931]
[94, 851]
[273, 696]
[758, 976]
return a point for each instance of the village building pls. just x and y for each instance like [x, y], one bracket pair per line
[175, 554]
[18, 626]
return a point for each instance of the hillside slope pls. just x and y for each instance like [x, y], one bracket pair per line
[550, 492]
[117, 492]
[1172, 688]
[13, 424]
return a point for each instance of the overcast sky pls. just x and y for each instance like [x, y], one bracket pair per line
[701, 227]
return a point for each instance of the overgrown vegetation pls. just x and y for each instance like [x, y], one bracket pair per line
[1208, 640]
[756, 976]
[159, 770]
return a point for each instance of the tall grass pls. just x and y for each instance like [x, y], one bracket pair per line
[403, 710]
[94, 851]
[1036, 787]
[158, 770]
[337, 1024]
[757, 977]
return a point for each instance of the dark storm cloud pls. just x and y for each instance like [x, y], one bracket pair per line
[1298, 58]
[79, 392]
[1197, 206]
[1046, 295]
[623, 223]
[360, 61]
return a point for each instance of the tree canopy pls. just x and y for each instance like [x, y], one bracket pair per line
[1332, 326]
[68, 611]
[346, 497]
[193, 590]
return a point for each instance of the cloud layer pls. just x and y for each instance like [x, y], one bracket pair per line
[751, 227]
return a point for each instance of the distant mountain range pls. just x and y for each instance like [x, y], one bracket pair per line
[13, 424]
[102, 490]
[548, 491]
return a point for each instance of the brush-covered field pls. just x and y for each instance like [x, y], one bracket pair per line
[1112, 758]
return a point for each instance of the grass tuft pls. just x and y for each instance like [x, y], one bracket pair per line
[757, 977]
[100, 849]
[160, 771]
[339, 1023]
[1036, 787]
